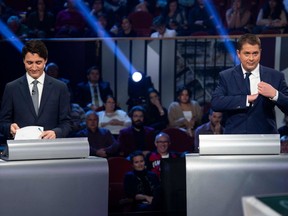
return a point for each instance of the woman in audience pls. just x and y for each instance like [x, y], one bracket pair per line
[112, 118]
[156, 113]
[176, 18]
[272, 16]
[237, 17]
[185, 113]
[141, 185]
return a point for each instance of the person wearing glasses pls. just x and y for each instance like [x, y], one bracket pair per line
[153, 159]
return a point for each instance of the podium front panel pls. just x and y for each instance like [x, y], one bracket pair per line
[216, 184]
[66, 187]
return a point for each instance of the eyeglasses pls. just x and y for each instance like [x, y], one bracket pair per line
[162, 142]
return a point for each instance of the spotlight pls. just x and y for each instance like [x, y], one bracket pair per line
[137, 76]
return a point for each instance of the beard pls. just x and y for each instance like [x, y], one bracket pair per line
[138, 124]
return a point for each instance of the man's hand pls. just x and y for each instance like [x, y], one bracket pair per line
[13, 128]
[252, 98]
[49, 134]
[266, 90]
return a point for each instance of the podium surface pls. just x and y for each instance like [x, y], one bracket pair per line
[216, 184]
[66, 187]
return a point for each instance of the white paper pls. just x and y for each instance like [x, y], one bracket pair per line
[29, 132]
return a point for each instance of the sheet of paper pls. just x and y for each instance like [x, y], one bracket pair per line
[29, 132]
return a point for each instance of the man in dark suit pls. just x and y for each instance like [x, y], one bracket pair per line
[138, 136]
[93, 92]
[52, 106]
[248, 101]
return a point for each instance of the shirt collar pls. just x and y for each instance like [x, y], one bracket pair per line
[254, 72]
[40, 79]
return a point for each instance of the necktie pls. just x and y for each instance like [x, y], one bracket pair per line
[247, 81]
[35, 96]
[96, 101]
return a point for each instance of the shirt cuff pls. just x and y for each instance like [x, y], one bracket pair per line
[275, 98]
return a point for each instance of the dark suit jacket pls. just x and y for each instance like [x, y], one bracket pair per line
[230, 97]
[17, 107]
[83, 93]
[128, 143]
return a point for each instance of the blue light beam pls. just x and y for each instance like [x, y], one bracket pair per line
[9, 35]
[221, 29]
[97, 28]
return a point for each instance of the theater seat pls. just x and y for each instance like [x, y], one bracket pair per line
[180, 141]
[118, 166]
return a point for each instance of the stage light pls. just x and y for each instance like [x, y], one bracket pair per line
[137, 76]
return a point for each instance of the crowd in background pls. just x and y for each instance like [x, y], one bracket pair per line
[134, 18]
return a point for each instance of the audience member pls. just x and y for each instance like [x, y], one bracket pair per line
[101, 141]
[237, 16]
[141, 185]
[116, 9]
[41, 22]
[141, 20]
[91, 94]
[69, 22]
[126, 29]
[153, 159]
[175, 18]
[185, 113]
[201, 20]
[272, 16]
[103, 29]
[283, 130]
[156, 113]
[212, 127]
[6, 12]
[284, 144]
[113, 118]
[138, 136]
[98, 9]
[78, 119]
[19, 29]
[161, 30]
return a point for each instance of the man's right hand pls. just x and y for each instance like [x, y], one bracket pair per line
[13, 128]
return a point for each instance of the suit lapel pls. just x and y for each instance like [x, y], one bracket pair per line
[47, 89]
[239, 79]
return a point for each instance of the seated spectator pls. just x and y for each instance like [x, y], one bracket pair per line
[126, 29]
[103, 29]
[90, 94]
[161, 30]
[283, 130]
[78, 119]
[113, 118]
[141, 185]
[69, 22]
[175, 18]
[272, 16]
[153, 159]
[141, 20]
[138, 136]
[6, 12]
[98, 9]
[20, 30]
[284, 144]
[41, 22]
[212, 127]
[237, 17]
[156, 113]
[185, 113]
[200, 19]
[101, 141]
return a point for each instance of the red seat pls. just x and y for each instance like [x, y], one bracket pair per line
[180, 140]
[118, 167]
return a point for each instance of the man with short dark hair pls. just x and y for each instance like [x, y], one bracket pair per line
[138, 136]
[36, 99]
